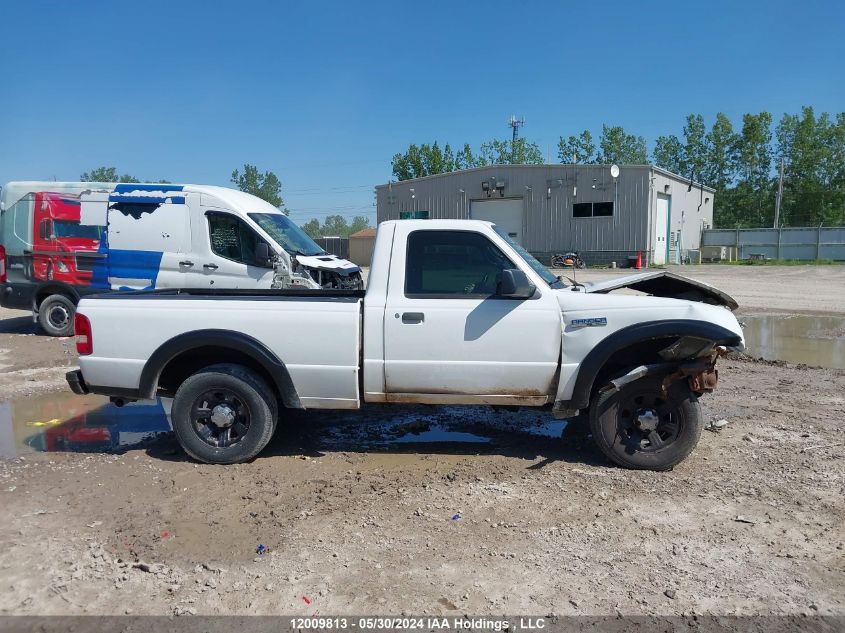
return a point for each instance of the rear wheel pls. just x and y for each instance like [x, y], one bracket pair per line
[224, 414]
[638, 427]
[55, 315]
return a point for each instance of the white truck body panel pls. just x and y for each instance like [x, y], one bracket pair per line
[619, 311]
[472, 346]
[317, 338]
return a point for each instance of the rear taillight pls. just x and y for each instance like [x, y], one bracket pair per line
[2, 264]
[84, 340]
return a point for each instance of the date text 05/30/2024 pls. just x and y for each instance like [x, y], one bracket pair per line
[326, 623]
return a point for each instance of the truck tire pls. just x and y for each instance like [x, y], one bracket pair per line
[55, 315]
[637, 428]
[224, 414]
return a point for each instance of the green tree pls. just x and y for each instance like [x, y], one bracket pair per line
[577, 149]
[465, 159]
[754, 193]
[106, 174]
[696, 149]
[265, 186]
[720, 170]
[812, 149]
[505, 152]
[618, 147]
[423, 160]
[336, 226]
[669, 154]
[359, 223]
[312, 227]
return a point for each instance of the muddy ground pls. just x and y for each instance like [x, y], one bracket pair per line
[423, 510]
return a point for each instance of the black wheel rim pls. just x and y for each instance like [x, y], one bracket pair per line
[647, 422]
[220, 418]
[58, 316]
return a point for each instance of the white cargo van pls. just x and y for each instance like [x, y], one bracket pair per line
[62, 241]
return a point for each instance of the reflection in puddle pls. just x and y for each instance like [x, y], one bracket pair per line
[64, 422]
[439, 434]
[812, 340]
[380, 428]
[67, 422]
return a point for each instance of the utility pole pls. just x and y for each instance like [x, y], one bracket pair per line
[780, 195]
[515, 123]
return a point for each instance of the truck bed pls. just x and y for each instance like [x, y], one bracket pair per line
[316, 333]
[243, 293]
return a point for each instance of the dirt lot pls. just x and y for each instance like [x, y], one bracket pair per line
[359, 518]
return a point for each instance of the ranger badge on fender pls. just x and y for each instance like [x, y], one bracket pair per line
[591, 322]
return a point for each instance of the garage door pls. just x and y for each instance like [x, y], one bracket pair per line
[506, 213]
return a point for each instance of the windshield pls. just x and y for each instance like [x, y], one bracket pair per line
[63, 228]
[538, 268]
[287, 234]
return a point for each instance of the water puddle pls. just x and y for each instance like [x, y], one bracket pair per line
[66, 422]
[380, 428]
[813, 340]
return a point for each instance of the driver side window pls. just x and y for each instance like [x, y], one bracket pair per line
[453, 263]
[231, 238]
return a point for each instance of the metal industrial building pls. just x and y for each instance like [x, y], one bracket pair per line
[558, 208]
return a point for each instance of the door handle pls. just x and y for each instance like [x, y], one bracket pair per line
[186, 263]
[413, 317]
[210, 266]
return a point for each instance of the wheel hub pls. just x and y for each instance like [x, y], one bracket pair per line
[59, 316]
[222, 416]
[647, 420]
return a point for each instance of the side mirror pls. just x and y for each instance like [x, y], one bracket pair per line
[262, 254]
[516, 285]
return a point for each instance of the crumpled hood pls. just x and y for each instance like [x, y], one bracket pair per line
[661, 283]
[328, 262]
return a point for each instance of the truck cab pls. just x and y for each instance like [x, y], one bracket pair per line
[62, 247]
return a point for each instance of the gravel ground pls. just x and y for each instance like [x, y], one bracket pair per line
[358, 520]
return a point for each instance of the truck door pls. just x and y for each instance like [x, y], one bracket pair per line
[446, 333]
[224, 252]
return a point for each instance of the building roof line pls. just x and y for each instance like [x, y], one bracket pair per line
[661, 170]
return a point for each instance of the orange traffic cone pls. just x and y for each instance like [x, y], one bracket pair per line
[639, 260]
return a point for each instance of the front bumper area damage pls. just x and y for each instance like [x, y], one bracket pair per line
[662, 283]
[700, 373]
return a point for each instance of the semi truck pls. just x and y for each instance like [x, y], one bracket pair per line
[455, 312]
[62, 241]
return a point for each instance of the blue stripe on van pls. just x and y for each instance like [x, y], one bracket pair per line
[126, 187]
[120, 197]
[125, 264]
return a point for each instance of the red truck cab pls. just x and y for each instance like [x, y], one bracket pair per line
[61, 242]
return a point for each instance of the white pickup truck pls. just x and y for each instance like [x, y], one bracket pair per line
[454, 313]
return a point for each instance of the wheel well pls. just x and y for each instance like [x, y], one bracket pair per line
[634, 355]
[46, 291]
[190, 361]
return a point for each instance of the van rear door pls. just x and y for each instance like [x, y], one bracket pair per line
[148, 238]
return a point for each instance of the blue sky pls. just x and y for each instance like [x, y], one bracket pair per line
[324, 93]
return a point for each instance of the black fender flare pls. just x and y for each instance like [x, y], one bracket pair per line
[592, 364]
[225, 339]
